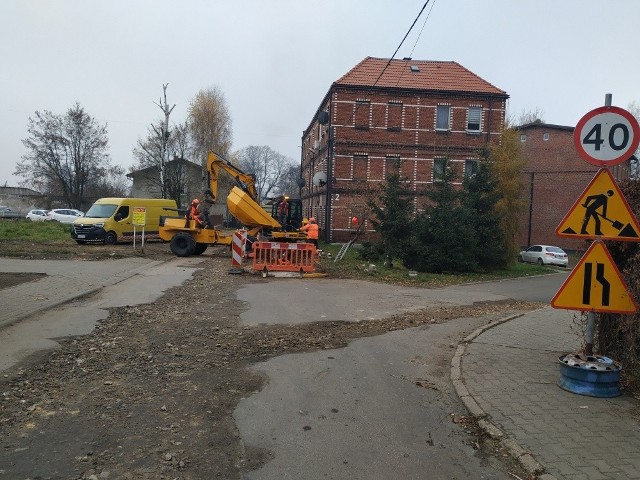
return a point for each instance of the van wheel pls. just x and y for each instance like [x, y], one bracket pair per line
[110, 238]
[200, 248]
[183, 244]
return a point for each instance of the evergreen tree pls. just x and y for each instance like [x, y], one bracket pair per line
[443, 238]
[392, 216]
[481, 198]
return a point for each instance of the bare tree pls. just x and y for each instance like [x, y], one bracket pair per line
[113, 184]
[266, 165]
[289, 181]
[526, 117]
[66, 154]
[163, 133]
[154, 150]
[164, 150]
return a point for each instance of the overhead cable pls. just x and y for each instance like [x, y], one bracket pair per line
[405, 37]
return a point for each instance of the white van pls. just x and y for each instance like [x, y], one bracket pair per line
[110, 220]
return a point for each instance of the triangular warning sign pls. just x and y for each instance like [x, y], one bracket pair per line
[601, 212]
[595, 284]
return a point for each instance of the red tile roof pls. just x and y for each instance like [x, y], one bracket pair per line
[432, 75]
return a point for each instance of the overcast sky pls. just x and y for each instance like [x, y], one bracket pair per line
[274, 60]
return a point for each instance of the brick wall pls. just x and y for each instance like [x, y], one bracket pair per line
[368, 129]
[554, 179]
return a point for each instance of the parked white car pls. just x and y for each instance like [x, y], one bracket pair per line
[544, 255]
[37, 215]
[64, 215]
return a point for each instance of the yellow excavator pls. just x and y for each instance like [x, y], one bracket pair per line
[189, 237]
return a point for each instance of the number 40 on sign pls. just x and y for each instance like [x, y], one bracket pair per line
[607, 136]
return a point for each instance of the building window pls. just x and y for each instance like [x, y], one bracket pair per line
[439, 167]
[362, 114]
[523, 138]
[470, 168]
[474, 119]
[392, 166]
[360, 165]
[442, 117]
[545, 136]
[394, 122]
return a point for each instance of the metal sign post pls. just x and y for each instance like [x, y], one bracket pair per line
[139, 219]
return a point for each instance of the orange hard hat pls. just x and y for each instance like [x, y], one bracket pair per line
[195, 201]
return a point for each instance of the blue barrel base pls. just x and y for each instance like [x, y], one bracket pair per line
[593, 375]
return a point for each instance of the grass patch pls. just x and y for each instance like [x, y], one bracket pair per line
[352, 266]
[24, 230]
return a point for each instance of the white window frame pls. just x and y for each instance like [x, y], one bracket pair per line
[523, 137]
[478, 115]
[439, 118]
[438, 174]
[467, 162]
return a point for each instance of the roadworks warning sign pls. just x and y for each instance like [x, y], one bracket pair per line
[601, 212]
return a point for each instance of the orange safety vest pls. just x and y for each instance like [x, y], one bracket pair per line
[312, 230]
[194, 214]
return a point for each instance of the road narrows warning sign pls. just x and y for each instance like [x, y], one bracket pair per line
[596, 285]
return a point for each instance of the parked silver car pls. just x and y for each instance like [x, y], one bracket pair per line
[9, 214]
[544, 255]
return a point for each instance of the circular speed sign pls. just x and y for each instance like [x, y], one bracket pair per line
[607, 136]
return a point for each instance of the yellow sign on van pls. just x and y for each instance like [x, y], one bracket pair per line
[139, 216]
[601, 212]
[595, 285]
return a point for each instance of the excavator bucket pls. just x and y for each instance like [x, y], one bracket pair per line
[248, 211]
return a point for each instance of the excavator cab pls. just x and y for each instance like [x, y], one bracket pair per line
[294, 220]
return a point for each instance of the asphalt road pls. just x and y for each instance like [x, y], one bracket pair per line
[383, 407]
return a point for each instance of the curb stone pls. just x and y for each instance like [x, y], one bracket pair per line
[526, 460]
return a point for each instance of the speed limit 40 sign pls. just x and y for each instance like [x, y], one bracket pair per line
[607, 136]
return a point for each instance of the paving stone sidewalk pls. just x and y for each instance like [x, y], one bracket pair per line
[511, 372]
[78, 279]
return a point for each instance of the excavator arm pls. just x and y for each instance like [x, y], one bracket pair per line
[244, 181]
[243, 203]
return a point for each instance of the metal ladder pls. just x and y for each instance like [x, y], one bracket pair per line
[343, 251]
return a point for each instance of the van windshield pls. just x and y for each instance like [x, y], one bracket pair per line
[100, 210]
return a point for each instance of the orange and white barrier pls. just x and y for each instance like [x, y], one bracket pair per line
[284, 257]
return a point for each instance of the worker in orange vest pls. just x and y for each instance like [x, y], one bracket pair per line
[312, 230]
[283, 212]
[194, 213]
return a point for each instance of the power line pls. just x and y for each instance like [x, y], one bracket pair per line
[405, 37]
[420, 34]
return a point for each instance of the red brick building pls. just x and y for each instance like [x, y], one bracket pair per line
[382, 110]
[554, 179]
